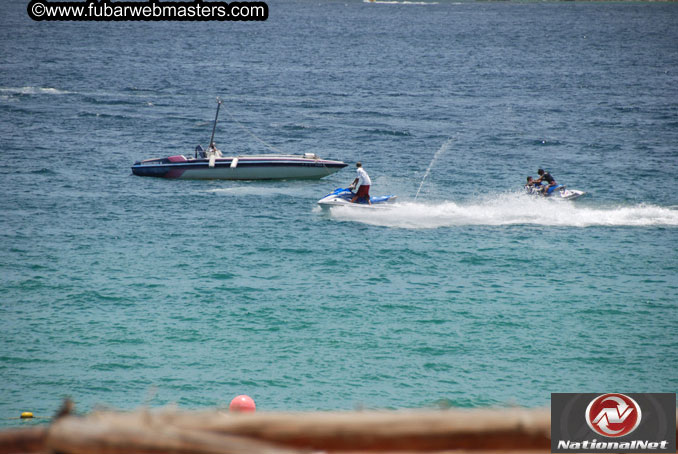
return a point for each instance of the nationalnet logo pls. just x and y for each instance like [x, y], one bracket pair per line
[613, 415]
[613, 422]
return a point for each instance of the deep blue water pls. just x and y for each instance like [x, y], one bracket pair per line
[124, 291]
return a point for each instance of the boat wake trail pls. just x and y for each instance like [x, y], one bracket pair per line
[33, 91]
[509, 209]
[262, 191]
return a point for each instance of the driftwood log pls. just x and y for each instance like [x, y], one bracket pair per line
[26, 440]
[216, 432]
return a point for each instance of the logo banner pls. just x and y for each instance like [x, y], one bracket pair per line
[613, 422]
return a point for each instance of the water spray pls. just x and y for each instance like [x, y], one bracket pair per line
[440, 151]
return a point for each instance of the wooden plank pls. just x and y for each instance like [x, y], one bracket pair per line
[73, 435]
[28, 440]
[220, 432]
[375, 431]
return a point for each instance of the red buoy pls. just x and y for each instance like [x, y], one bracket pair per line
[242, 404]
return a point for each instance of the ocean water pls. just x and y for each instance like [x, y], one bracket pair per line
[122, 291]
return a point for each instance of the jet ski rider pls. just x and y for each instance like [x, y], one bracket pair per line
[363, 183]
[545, 176]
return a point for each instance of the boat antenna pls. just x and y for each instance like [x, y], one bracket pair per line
[214, 128]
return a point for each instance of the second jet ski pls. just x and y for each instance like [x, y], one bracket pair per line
[558, 192]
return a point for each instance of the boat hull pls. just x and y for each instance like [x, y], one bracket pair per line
[240, 168]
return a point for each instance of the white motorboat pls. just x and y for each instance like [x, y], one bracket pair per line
[212, 164]
[251, 167]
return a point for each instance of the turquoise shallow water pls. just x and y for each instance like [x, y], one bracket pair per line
[125, 291]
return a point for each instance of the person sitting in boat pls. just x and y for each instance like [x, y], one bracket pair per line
[213, 149]
[362, 182]
[545, 176]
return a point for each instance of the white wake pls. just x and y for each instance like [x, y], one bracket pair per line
[256, 190]
[33, 91]
[508, 209]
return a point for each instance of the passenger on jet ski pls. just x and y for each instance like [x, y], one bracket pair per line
[545, 176]
[531, 185]
[363, 183]
[535, 187]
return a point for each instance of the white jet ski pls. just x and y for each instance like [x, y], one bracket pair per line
[343, 196]
[558, 192]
